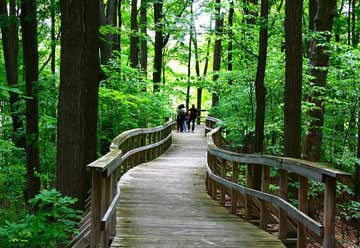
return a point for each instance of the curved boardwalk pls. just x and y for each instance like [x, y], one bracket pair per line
[164, 204]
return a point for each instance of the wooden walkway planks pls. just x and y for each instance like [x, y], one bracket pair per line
[164, 204]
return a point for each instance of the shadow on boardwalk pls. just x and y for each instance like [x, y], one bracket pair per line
[164, 204]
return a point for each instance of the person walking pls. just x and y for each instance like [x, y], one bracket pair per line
[193, 114]
[180, 119]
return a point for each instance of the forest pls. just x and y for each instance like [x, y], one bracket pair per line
[282, 75]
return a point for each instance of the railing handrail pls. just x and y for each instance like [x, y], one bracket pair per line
[300, 167]
[130, 148]
[114, 156]
[305, 169]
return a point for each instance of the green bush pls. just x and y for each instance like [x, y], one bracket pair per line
[51, 226]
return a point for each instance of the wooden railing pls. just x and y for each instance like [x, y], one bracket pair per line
[127, 150]
[223, 168]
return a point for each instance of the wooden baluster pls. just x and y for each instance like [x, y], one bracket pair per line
[234, 193]
[265, 182]
[329, 212]
[213, 183]
[249, 184]
[108, 199]
[208, 180]
[115, 176]
[97, 208]
[223, 188]
[142, 143]
[283, 184]
[303, 206]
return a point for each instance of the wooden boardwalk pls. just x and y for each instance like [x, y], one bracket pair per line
[164, 204]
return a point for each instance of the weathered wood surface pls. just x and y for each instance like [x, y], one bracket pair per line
[164, 204]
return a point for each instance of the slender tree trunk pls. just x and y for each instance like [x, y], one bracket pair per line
[260, 90]
[354, 32]
[10, 40]
[189, 70]
[117, 42]
[78, 100]
[53, 38]
[349, 23]
[217, 49]
[143, 40]
[158, 16]
[230, 38]
[134, 38]
[293, 78]
[312, 14]
[319, 63]
[197, 65]
[357, 166]
[31, 56]
[107, 17]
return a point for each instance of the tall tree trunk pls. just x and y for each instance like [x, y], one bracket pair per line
[354, 32]
[189, 71]
[293, 78]
[143, 40]
[107, 17]
[312, 13]
[197, 64]
[319, 63]
[10, 40]
[117, 41]
[53, 38]
[158, 16]
[134, 37]
[230, 37]
[219, 21]
[260, 89]
[78, 100]
[31, 57]
[357, 166]
[349, 23]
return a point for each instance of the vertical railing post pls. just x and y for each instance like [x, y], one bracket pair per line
[265, 182]
[213, 183]
[234, 194]
[249, 184]
[283, 183]
[303, 206]
[97, 208]
[223, 188]
[329, 212]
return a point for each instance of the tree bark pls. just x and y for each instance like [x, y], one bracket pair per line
[53, 37]
[354, 32]
[31, 57]
[260, 90]
[230, 38]
[10, 40]
[134, 38]
[143, 40]
[319, 63]
[357, 166]
[293, 78]
[158, 17]
[189, 71]
[217, 49]
[78, 100]
[107, 17]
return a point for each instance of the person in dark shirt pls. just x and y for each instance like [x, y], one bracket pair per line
[193, 113]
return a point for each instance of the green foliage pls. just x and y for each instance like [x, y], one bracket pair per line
[51, 225]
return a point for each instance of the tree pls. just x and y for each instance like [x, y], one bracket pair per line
[159, 41]
[260, 89]
[189, 69]
[230, 38]
[143, 39]
[78, 99]
[357, 166]
[31, 57]
[107, 17]
[10, 40]
[219, 21]
[319, 63]
[134, 38]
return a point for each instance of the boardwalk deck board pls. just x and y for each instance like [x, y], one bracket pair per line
[164, 204]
